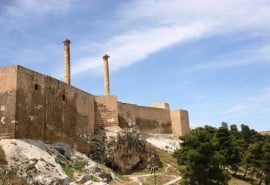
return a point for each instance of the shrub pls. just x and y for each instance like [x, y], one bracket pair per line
[69, 171]
[79, 165]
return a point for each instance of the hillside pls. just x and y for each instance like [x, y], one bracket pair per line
[37, 162]
[32, 161]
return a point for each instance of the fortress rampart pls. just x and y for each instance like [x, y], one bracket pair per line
[37, 106]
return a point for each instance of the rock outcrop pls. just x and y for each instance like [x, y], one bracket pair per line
[123, 150]
[44, 164]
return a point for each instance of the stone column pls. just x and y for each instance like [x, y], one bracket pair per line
[67, 61]
[106, 75]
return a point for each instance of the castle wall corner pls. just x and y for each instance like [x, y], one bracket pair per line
[180, 122]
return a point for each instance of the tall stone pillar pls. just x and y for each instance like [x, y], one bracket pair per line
[106, 75]
[67, 61]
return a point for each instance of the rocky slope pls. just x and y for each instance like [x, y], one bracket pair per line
[125, 151]
[44, 164]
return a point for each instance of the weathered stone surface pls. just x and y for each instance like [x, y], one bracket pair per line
[124, 151]
[44, 164]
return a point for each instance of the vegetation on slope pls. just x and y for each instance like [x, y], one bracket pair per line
[168, 172]
[211, 156]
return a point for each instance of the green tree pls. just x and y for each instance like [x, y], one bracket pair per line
[245, 131]
[250, 136]
[235, 134]
[200, 159]
[238, 141]
[228, 149]
[265, 163]
[253, 157]
[224, 124]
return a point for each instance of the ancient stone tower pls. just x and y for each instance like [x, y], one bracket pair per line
[67, 61]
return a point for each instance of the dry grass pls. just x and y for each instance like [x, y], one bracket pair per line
[160, 179]
[168, 159]
[121, 179]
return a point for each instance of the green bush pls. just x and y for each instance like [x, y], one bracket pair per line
[69, 171]
[79, 165]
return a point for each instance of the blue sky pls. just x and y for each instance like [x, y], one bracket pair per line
[209, 57]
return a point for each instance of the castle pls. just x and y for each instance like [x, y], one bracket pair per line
[37, 106]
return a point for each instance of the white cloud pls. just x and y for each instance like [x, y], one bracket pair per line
[252, 55]
[87, 63]
[234, 110]
[152, 25]
[134, 46]
[228, 13]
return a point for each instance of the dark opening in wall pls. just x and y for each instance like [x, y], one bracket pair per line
[64, 97]
[36, 87]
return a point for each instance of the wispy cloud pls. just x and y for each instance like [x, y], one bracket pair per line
[136, 45]
[152, 25]
[251, 55]
[252, 104]
[234, 110]
[229, 14]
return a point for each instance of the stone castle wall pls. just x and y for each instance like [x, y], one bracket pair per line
[37, 106]
[148, 119]
[8, 84]
[52, 111]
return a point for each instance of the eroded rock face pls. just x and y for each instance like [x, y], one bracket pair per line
[44, 164]
[124, 151]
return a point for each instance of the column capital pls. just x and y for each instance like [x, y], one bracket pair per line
[106, 56]
[67, 42]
